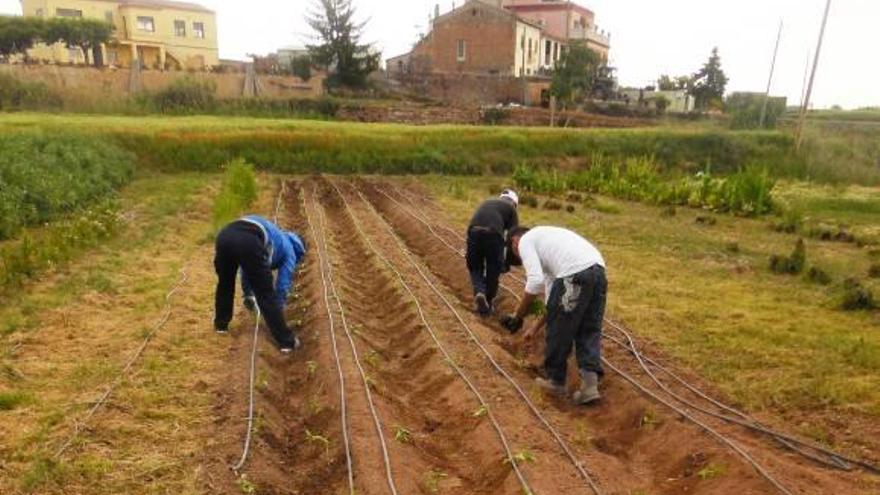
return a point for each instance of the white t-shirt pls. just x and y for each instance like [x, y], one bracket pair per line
[549, 253]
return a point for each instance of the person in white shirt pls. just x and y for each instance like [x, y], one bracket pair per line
[570, 272]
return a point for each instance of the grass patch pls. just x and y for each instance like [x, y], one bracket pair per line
[238, 192]
[13, 400]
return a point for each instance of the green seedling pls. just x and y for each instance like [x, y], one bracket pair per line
[481, 411]
[711, 471]
[522, 457]
[402, 435]
[313, 438]
[373, 359]
[311, 368]
[433, 479]
[245, 485]
[263, 380]
[649, 420]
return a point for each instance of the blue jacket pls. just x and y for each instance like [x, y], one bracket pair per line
[286, 249]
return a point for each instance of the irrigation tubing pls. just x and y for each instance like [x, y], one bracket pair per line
[343, 405]
[372, 406]
[483, 403]
[537, 413]
[253, 364]
[827, 458]
[163, 320]
[736, 448]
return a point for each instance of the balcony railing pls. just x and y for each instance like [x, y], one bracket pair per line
[591, 33]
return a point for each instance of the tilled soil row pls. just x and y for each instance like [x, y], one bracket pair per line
[674, 456]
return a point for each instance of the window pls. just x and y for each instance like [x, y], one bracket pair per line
[146, 24]
[180, 29]
[68, 13]
[548, 52]
[199, 29]
[461, 51]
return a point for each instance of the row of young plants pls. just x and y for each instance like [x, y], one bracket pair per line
[46, 175]
[747, 191]
[43, 249]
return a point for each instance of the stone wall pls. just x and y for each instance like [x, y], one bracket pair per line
[475, 89]
[84, 84]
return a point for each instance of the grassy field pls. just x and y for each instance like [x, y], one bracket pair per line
[704, 293]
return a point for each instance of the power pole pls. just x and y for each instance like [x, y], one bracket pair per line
[770, 81]
[804, 84]
[803, 118]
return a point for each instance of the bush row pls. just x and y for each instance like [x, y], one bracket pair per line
[747, 191]
[26, 257]
[352, 148]
[44, 175]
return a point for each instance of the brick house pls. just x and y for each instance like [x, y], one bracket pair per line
[477, 38]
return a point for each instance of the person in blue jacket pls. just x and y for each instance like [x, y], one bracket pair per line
[256, 247]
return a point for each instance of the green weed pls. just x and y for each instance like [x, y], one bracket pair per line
[711, 471]
[481, 411]
[874, 270]
[522, 457]
[402, 435]
[818, 276]
[246, 486]
[856, 297]
[311, 368]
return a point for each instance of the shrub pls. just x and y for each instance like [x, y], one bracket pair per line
[494, 116]
[529, 201]
[186, 95]
[238, 192]
[825, 232]
[570, 208]
[790, 265]
[818, 276]
[874, 270]
[45, 176]
[790, 221]
[855, 297]
[16, 94]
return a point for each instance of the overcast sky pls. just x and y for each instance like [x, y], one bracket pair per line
[649, 37]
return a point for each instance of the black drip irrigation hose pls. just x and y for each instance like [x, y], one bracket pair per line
[535, 411]
[482, 401]
[813, 452]
[326, 264]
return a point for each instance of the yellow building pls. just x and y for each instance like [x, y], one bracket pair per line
[160, 34]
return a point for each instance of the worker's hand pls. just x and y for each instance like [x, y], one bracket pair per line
[512, 323]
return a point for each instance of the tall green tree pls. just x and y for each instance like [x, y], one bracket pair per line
[301, 67]
[18, 34]
[710, 83]
[339, 46]
[85, 34]
[669, 83]
[575, 75]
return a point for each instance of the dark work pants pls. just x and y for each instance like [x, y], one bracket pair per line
[485, 261]
[241, 244]
[575, 312]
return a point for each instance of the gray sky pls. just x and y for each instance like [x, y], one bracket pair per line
[649, 37]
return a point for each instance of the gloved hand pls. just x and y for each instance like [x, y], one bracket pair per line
[512, 323]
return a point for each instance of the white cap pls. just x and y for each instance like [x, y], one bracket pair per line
[511, 195]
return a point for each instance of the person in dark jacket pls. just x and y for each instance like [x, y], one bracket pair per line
[485, 246]
[257, 246]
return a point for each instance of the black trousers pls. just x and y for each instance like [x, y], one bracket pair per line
[241, 244]
[485, 261]
[575, 312]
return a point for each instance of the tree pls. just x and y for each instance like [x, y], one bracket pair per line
[340, 50]
[667, 83]
[710, 83]
[85, 34]
[301, 67]
[575, 74]
[18, 34]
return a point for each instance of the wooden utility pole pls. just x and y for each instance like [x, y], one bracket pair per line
[804, 84]
[803, 118]
[770, 81]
